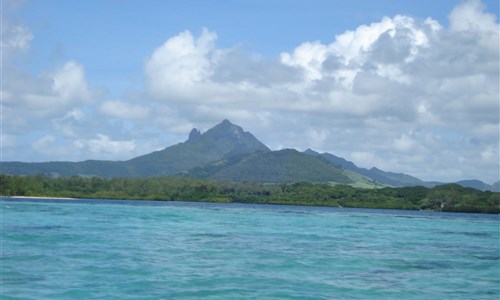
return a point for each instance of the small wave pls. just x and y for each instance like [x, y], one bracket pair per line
[487, 257]
[210, 235]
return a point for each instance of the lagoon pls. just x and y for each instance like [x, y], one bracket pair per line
[114, 249]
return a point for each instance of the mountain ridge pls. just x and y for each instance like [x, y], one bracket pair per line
[227, 152]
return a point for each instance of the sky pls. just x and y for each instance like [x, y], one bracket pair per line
[404, 86]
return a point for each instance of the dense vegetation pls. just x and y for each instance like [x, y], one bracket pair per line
[281, 166]
[449, 197]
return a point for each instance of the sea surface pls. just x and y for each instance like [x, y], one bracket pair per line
[112, 249]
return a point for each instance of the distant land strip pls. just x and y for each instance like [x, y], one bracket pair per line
[447, 197]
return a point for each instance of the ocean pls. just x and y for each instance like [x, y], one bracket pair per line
[113, 249]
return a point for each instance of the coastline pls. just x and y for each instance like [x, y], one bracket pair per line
[38, 197]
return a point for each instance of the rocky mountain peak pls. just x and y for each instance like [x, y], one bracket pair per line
[194, 135]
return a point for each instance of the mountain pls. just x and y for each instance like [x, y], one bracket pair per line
[397, 179]
[496, 186]
[227, 152]
[394, 179]
[479, 185]
[225, 139]
[377, 175]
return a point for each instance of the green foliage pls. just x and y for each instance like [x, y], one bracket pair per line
[449, 197]
[282, 166]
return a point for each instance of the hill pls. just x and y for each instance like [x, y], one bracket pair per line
[375, 174]
[397, 179]
[287, 165]
[479, 185]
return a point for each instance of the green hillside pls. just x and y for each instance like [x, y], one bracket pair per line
[377, 176]
[282, 166]
[200, 149]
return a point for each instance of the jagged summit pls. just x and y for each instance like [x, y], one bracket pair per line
[194, 135]
[311, 152]
[199, 149]
[226, 127]
[226, 122]
[227, 138]
[231, 138]
[234, 136]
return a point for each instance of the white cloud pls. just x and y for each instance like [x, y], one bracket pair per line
[363, 158]
[123, 110]
[181, 65]
[16, 38]
[317, 138]
[43, 145]
[489, 155]
[309, 56]
[321, 76]
[49, 95]
[404, 143]
[7, 140]
[472, 16]
[67, 124]
[104, 146]
[69, 82]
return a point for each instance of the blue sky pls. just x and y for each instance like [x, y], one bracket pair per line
[393, 84]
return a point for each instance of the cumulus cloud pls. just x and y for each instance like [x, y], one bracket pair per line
[99, 146]
[48, 95]
[69, 83]
[123, 110]
[181, 65]
[15, 38]
[44, 144]
[103, 145]
[472, 16]
[188, 70]
[8, 140]
[314, 76]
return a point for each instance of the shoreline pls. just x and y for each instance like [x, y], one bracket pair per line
[256, 203]
[38, 197]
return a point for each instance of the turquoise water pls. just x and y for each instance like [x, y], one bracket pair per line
[55, 249]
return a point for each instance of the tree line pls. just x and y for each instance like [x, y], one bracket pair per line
[448, 197]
